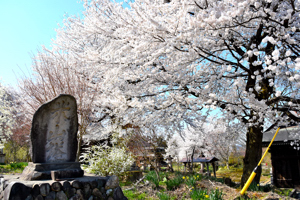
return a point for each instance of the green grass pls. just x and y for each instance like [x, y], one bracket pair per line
[188, 183]
[174, 183]
[165, 196]
[135, 195]
[12, 168]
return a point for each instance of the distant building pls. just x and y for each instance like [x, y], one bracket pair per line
[285, 156]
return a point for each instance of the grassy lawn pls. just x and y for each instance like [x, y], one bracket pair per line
[236, 174]
[12, 168]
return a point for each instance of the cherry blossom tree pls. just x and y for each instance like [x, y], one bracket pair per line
[53, 76]
[223, 137]
[215, 137]
[14, 129]
[167, 62]
[6, 113]
[191, 142]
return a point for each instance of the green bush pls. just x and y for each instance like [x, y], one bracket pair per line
[15, 153]
[20, 165]
[106, 161]
[152, 177]
[13, 167]
[174, 183]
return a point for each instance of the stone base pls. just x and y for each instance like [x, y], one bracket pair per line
[43, 171]
[84, 188]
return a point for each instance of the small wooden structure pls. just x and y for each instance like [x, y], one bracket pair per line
[285, 156]
[206, 160]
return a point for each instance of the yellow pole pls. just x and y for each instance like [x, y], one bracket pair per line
[250, 179]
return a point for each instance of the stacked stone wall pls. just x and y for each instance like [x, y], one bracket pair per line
[100, 188]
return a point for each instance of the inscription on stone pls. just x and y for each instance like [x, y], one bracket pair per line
[54, 141]
[57, 137]
[54, 131]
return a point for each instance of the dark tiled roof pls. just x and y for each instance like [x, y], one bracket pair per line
[284, 134]
[201, 160]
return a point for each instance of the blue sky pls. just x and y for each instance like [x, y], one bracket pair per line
[25, 26]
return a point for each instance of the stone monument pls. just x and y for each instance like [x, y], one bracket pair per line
[54, 141]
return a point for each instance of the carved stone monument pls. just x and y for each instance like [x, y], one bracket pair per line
[54, 141]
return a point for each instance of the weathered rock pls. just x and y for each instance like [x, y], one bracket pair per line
[54, 131]
[66, 185]
[51, 196]
[76, 197]
[29, 197]
[69, 191]
[16, 191]
[67, 173]
[94, 184]
[102, 190]
[97, 193]
[76, 184]
[112, 182]
[56, 186]
[87, 190]
[110, 198]
[109, 192]
[80, 193]
[101, 183]
[35, 191]
[44, 189]
[61, 196]
[54, 141]
[228, 182]
[39, 197]
[118, 194]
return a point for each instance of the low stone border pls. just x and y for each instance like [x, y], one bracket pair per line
[85, 188]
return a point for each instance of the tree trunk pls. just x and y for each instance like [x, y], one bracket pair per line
[79, 147]
[253, 153]
[192, 160]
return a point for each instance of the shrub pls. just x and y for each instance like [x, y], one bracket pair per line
[13, 167]
[174, 183]
[152, 177]
[15, 153]
[104, 160]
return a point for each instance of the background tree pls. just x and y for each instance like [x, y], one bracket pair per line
[14, 127]
[167, 63]
[6, 113]
[148, 146]
[53, 76]
[190, 144]
[223, 138]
